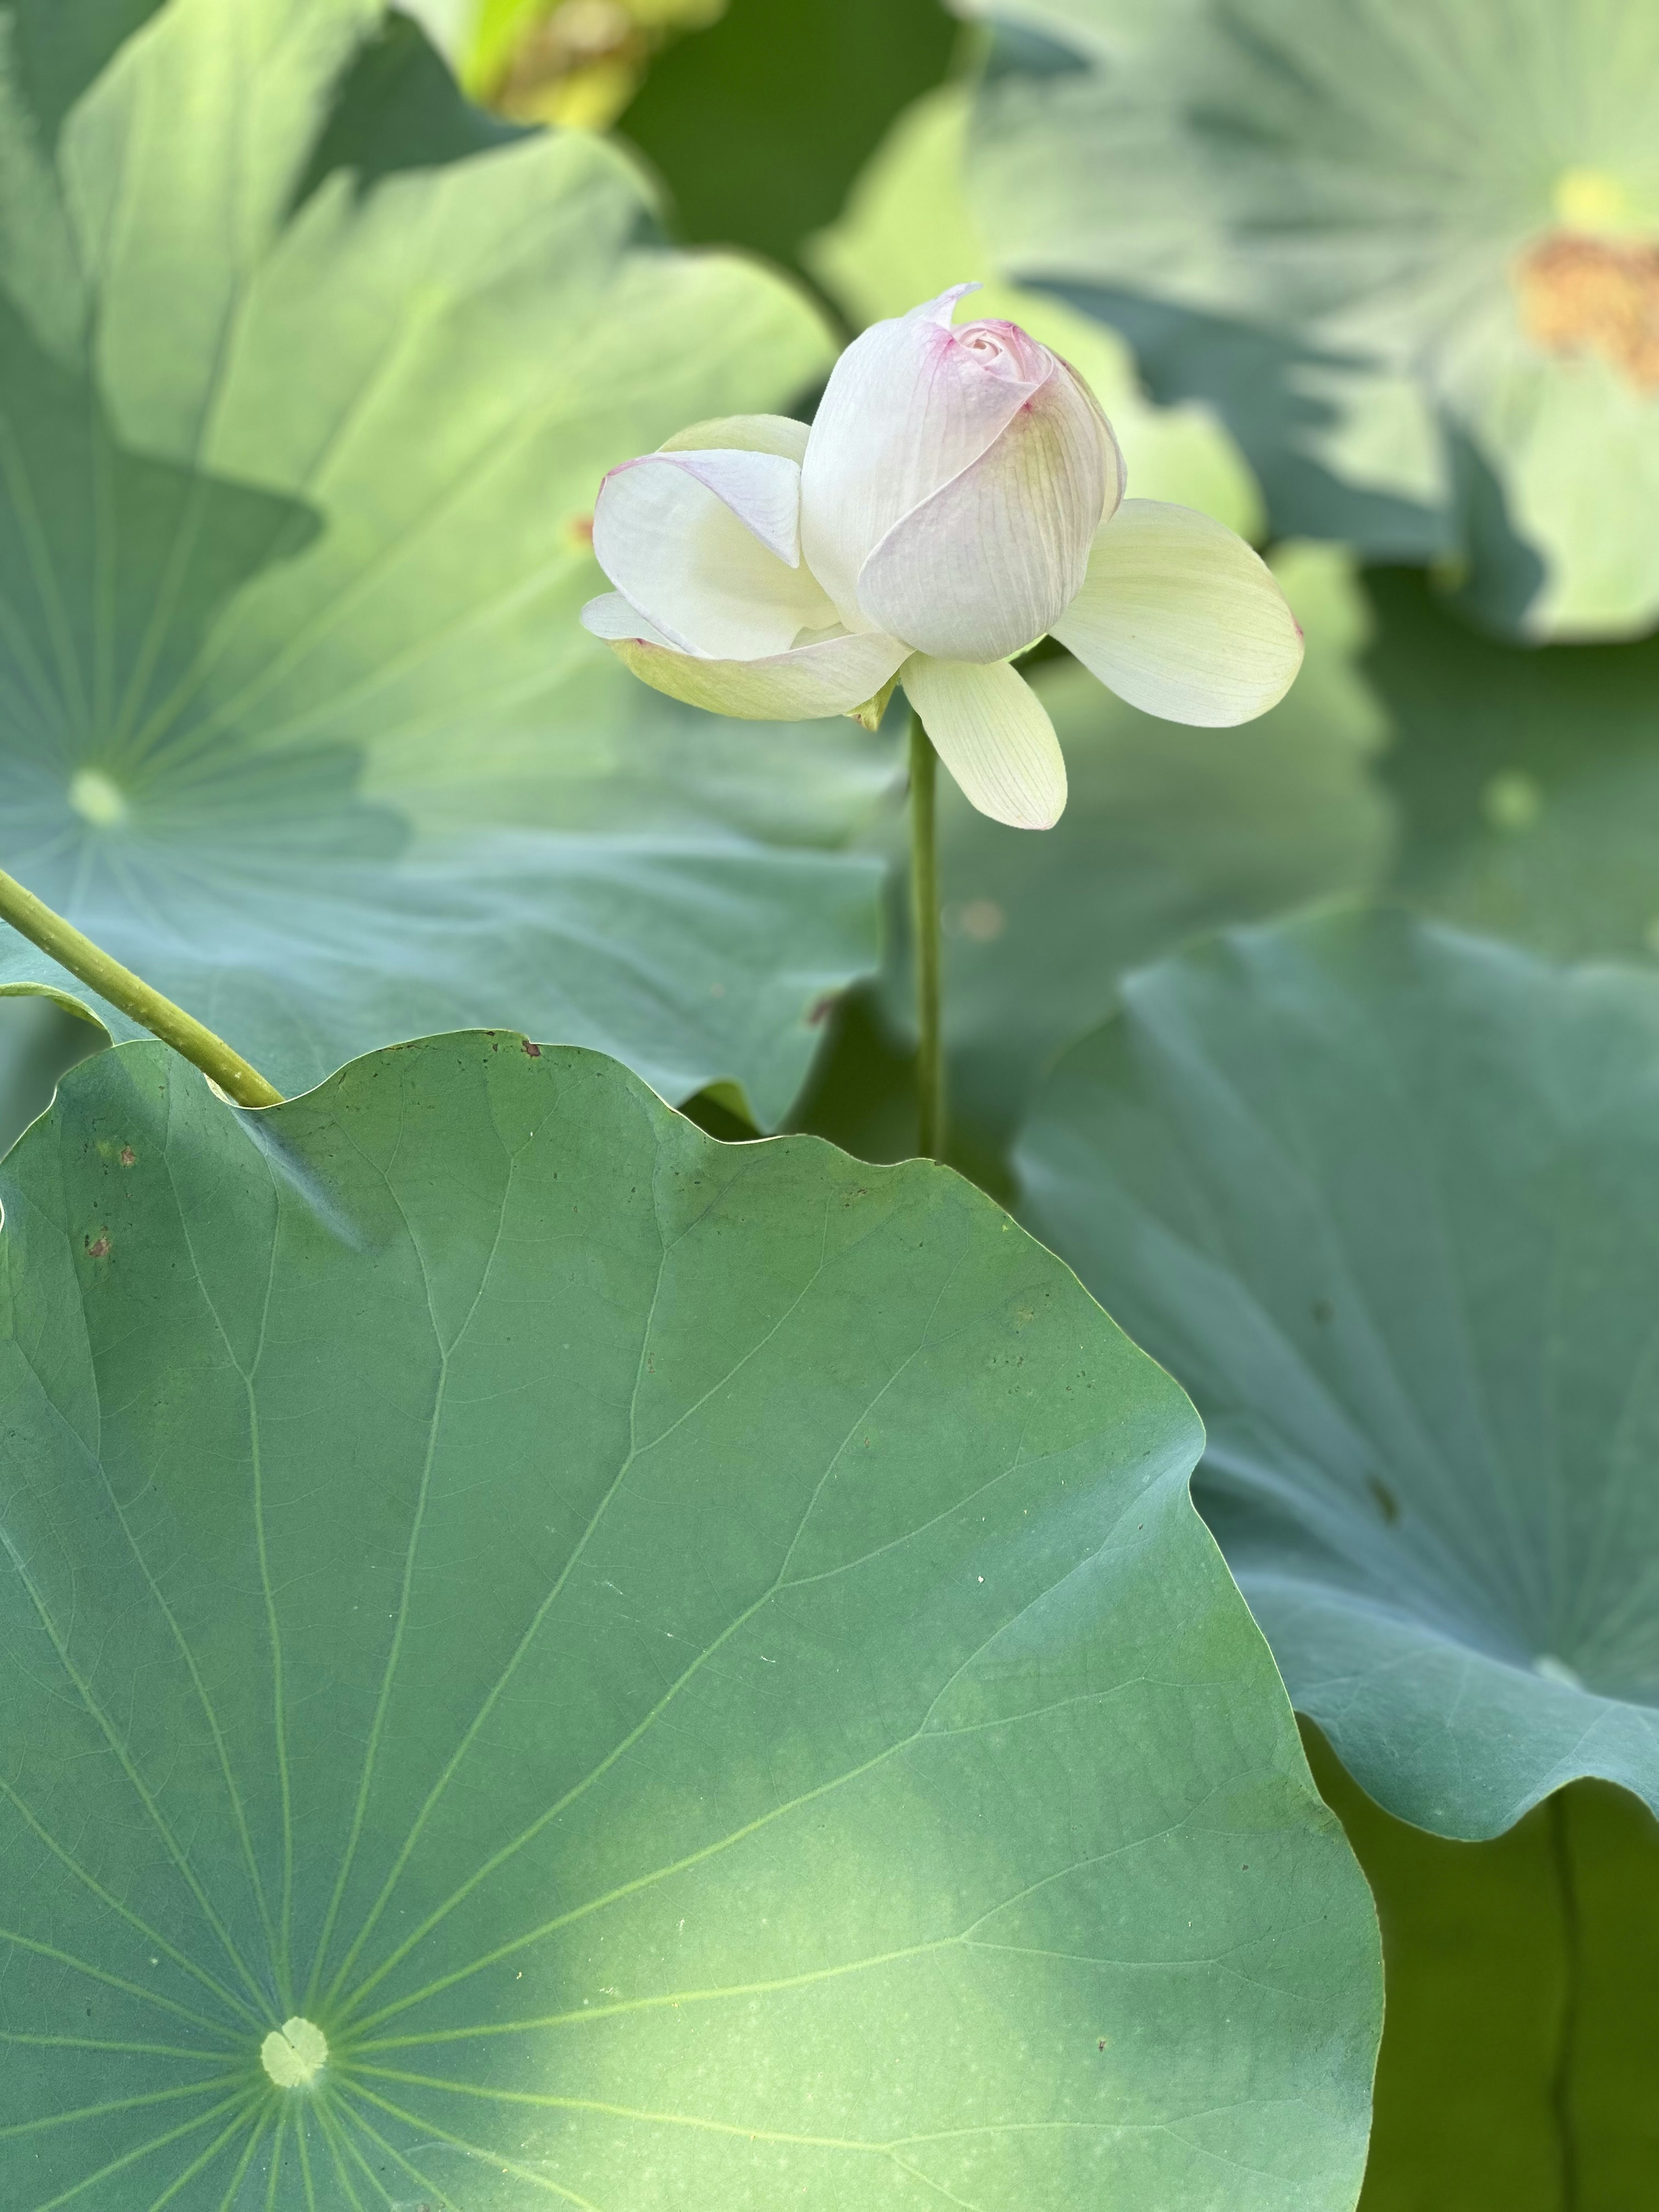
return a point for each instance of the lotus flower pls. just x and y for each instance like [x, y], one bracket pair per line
[959, 496]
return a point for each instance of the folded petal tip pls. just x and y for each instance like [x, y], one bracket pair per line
[943, 307]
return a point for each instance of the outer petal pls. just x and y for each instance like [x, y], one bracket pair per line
[907, 407]
[1181, 618]
[832, 677]
[994, 734]
[705, 544]
[611, 616]
[744, 433]
[992, 560]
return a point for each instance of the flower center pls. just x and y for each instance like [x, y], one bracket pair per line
[294, 2054]
[1598, 296]
[1001, 350]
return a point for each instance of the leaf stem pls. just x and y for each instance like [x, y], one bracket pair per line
[32, 917]
[924, 934]
[1561, 2082]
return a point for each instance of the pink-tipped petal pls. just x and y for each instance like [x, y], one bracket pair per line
[909, 405]
[990, 562]
[1181, 618]
[992, 732]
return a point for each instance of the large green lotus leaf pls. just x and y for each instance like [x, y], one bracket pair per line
[692, 1668]
[307, 381]
[1381, 1196]
[1168, 831]
[1411, 247]
[1523, 2021]
[908, 232]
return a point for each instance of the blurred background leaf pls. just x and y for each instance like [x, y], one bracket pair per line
[1380, 1195]
[295, 714]
[758, 124]
[573, 61]
[1412, 253]
[1526, 781]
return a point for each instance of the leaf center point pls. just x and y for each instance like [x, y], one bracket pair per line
[97, 798]
[294, 2054]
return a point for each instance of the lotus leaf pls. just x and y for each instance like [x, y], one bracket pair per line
[1379, 1194]
[307, 376]
[548, 1660]
[1526, 780]
[1411, 249]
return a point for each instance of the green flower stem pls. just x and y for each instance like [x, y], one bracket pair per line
[34, 920]
[924, 920]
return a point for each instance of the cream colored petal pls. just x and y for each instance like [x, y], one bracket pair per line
[743, 433]
[1181, 618]
[992, 732]
[702, 543]
[834, 676]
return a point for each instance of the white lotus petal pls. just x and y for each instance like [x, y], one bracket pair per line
[761, 489]
[744, 433]
[834, 676]
[992, 732]
[1181, 618]
[908, 406]
[991, 562]
[702, 543]
[611, 616]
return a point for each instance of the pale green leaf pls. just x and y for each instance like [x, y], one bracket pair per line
[305, 389]
[1407, 250]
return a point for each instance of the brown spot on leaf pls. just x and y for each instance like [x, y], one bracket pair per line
[821, 1012]
[98, 1246]
[128, 1155]
[1597, 295]
[1387, 1504]
[531, 1051]
[581, 530]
